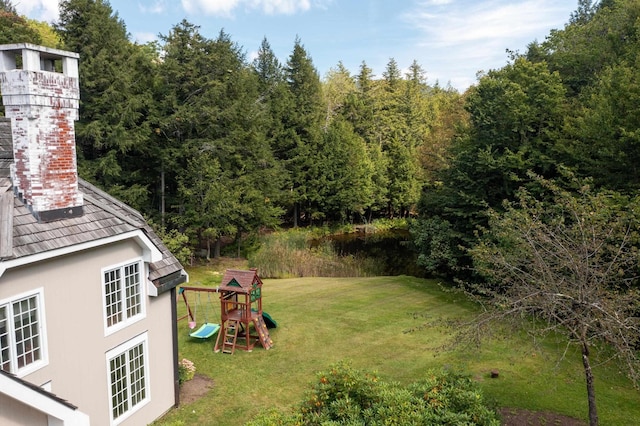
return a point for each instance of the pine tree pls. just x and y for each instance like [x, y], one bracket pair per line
[116, 78]
[303, 123]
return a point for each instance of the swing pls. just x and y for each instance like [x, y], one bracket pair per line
[207, 329]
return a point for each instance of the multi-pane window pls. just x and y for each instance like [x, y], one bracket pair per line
[5, 357]
[21, 339]
[122, 293]
[127, 377]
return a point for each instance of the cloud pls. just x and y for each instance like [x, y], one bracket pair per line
[486, 21]
[464, 36]
[270, 7]
[157, 7]
[281, 7]
[210, 7]
[42, 10]
[143, 37]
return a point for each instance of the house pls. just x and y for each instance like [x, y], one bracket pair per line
[87, 289]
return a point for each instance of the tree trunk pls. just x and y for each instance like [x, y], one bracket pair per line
[162, 195]
[295, 215]
[216, 248]
[591, 391]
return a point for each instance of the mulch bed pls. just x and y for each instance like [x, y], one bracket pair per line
[194, 389]
[519, 417]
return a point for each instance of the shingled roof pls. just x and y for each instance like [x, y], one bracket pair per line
[241, 281]
[104, 216]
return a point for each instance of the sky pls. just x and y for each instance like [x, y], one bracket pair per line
[452, 40]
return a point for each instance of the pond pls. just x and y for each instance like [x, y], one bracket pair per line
[392, 250]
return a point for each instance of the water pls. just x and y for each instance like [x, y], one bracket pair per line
[392, 250]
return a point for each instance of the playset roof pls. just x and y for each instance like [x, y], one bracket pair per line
[240, 280]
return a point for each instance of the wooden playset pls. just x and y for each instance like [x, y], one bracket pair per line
[242, 321]
[240, 308]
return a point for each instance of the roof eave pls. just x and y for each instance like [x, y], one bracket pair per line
[150, 251]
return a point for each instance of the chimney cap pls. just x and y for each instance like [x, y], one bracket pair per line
[45, 52]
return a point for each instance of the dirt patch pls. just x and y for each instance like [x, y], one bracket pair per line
[519, 417]
[195, 388]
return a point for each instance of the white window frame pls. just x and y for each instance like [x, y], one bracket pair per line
[126, 319]
[14, 368]
[124, 350]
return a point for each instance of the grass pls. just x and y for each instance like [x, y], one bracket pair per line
[366, 321]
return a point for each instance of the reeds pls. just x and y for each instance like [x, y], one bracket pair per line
[290, 253]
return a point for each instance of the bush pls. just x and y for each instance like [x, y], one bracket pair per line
[178, 245]
[345, 396]
[186, 370]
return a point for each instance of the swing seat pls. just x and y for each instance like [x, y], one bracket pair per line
[205, 331]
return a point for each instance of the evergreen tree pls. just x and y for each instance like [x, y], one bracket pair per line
[346, 186]
[275, 101]
[116, 78]
[211, 110]
[361, 111]
[303, 123]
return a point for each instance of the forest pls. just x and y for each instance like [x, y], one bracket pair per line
[526, 183]
[210, 145]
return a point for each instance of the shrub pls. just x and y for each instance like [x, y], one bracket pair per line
[186, 370]
[178, 245]
[345, 396]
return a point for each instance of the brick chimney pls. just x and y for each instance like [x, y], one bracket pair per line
[41, 98]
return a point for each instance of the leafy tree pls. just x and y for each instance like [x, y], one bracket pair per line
[48, 35]
[15, 28]
[585, 11]
[448, 119]
[516, 116]
[597, 36]
[604, 133]
[338, 87]
[567, 267]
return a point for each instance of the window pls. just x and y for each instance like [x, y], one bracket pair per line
[123, 294]
[128, 378]
[22, 346]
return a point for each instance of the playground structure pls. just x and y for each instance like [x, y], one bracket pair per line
[240, 309]
[207, 329]
[242, 321]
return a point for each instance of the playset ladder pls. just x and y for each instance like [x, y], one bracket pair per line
[229, 337]
[263, 332]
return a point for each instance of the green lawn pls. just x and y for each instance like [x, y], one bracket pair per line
[366, 321]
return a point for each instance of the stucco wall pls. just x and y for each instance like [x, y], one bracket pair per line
[77, 344]
[15, 413]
